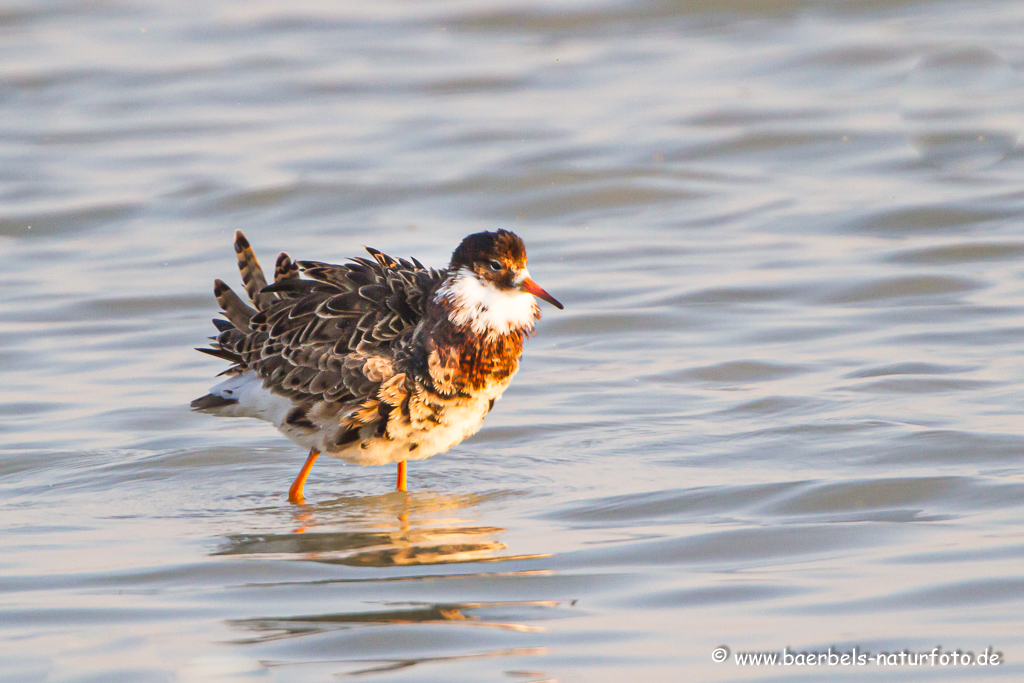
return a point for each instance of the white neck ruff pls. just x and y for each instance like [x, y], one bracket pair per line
[487, 310]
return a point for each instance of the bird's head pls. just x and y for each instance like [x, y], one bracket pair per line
[489, 285]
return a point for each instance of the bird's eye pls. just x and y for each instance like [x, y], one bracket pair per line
[494, 265]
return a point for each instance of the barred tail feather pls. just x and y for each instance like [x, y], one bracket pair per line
[252, 274]
[236, 310]
[284, 271]
[285, 268]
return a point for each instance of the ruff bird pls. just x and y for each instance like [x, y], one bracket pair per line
[379, 360]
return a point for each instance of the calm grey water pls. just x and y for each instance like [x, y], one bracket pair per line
[781, 408]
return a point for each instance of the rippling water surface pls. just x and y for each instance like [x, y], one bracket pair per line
[781, 408]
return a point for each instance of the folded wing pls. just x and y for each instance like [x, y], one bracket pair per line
[334, 335]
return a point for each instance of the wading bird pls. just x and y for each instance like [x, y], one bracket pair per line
[379, 360]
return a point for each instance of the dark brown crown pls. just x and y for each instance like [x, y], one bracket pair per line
[503, 246]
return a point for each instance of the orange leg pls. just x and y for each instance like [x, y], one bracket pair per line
[400, 483]
[295, 492]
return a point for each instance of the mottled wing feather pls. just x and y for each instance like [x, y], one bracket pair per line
[222, 353]
[336, 335]
[223, 325]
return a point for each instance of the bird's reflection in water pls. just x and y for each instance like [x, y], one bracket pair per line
[409, 613]
[392, 531]
[395, 650]
[397, 665]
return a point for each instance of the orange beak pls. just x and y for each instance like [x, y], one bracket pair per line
[528, 285]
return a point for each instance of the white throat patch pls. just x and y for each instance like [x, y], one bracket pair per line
[486, 309]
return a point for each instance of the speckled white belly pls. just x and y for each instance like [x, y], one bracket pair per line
[458, 419]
